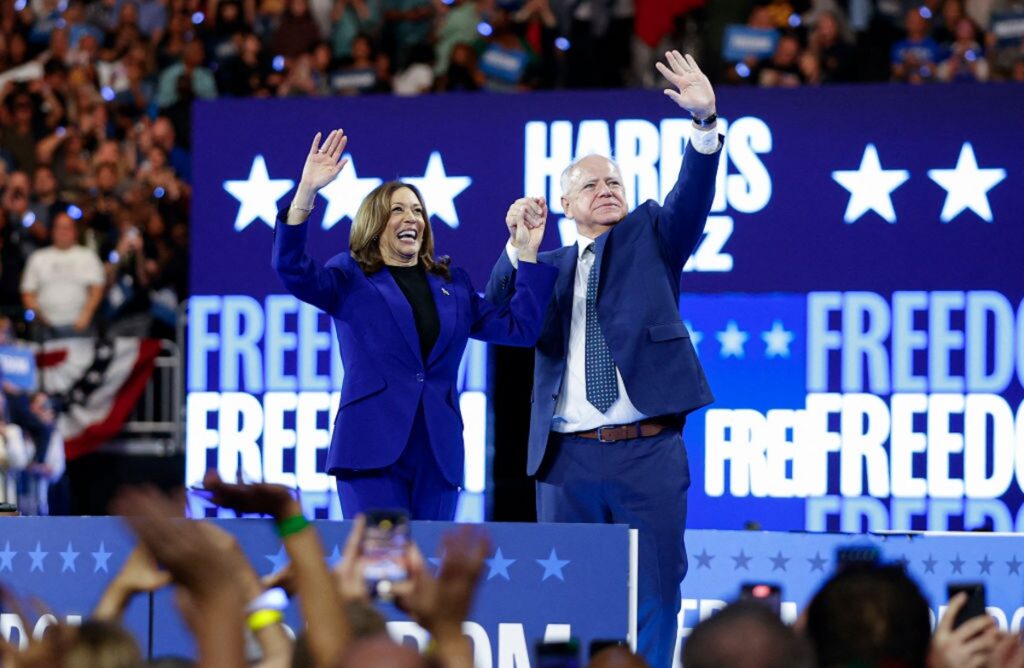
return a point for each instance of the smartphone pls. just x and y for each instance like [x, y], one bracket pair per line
[384, 550]
[598, 645]
[558, 654]
[975, 606]
[762, 593]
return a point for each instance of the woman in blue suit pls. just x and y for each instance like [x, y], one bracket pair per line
[403, 319]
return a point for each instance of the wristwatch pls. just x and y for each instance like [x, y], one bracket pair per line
[705, 123]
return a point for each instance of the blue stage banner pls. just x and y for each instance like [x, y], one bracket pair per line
[540, 581]
[65, 564]
[856, 298]
[721, 561]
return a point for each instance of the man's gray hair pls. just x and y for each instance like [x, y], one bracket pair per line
[566, 179]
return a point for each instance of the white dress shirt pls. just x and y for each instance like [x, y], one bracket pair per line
[572, 410]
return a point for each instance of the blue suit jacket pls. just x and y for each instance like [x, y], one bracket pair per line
[640, 260]
[386, 377]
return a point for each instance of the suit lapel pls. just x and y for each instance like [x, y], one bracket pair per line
[445, 301]
[399, 306]
[564, 288]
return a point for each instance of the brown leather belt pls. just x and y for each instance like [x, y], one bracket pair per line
[621, 432]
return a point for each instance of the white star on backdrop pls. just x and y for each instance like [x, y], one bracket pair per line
[777, 340]
[732, 339]
[345, 193]
[440, 190]
[695, 336]
[870, 187]
[257, 194]
[967, 186]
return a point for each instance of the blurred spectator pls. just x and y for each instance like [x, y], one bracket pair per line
[835, 55]
[22, 127]
[242, 75]
[359, 75]
[229, 24]
[600, 35]
[783, 69]
[418, 77]
[508, 61]
[915, 58]
[869, 615]
[459, 25]
[966, 61]
[350, 19]
[767, 641]
[188, 75]
[407, 26]
[63, 284]
[463, 73]
[45, 201]
[944, 25]
[296, 33]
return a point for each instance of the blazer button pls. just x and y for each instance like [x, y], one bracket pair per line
[419, 377]
[554, 396]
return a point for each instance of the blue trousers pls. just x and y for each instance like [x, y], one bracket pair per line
[641, 482]
[414, 483]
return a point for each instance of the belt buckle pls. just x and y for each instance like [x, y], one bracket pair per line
[600, 434]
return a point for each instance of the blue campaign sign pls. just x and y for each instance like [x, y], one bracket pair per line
[540, 581]
[856, 297]
[18, 367]
[741, 41]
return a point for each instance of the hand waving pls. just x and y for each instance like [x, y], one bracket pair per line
[261, 497]
[695, 94]
[322, 164]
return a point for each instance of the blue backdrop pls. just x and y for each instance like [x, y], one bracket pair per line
[540, 580]
[856, 299]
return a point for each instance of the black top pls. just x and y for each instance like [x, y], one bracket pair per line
[413, 283]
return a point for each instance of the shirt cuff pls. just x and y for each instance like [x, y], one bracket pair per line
[705, 141]
[513, 254]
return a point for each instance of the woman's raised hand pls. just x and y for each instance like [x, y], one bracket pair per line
[322, 163]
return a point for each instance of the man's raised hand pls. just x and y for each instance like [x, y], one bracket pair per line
[694, 93]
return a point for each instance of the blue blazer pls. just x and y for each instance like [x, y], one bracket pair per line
[386, 378]
[640, 261]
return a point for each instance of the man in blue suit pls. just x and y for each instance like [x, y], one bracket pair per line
[616, 373]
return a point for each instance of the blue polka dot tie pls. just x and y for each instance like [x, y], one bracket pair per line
[602, 388]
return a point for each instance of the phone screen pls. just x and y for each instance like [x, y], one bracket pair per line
[975, 606]
[559, 654]
[768, 595]
[384, 550]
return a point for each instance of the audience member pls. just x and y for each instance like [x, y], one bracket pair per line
[63, 284]
[869, 615]
[915, 58]
[766, 641]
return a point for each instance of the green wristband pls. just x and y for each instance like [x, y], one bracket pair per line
[292, 525]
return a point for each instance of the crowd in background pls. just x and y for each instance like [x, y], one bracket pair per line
[867, 613]
[95, 97]
[822, 42]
